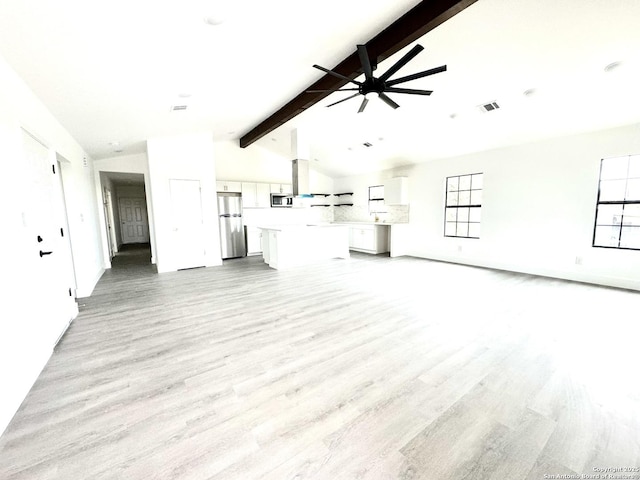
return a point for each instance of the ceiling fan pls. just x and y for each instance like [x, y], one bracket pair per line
[381, 85]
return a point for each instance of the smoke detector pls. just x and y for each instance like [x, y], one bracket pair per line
[489, 107]
[178, 108]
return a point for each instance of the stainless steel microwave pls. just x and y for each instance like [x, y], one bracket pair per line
[281, 200]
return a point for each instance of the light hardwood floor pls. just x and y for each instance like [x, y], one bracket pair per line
[368, 368]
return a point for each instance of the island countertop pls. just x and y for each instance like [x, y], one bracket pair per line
[296, 226]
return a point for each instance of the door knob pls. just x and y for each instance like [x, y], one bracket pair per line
[42, 254]
[39, 238]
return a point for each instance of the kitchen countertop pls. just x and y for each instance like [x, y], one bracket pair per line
[292, 227]
[369, 223]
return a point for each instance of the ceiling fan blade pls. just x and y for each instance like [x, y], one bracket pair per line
[402, 62]
[343, 100]
[336, 74]
[415, 76]
[365, 62]
[409, 90]
[365, 100]
[388, 101]
[339, 90]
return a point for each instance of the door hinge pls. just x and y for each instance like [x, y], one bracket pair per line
[70, 294]
[61, 232]
[53, 167]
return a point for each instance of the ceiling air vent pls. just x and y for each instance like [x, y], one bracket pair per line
[367, 144]
[178, 108]
[489, 107]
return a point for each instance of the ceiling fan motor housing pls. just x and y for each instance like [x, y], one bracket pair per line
[383, 84]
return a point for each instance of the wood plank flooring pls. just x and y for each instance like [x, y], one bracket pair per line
[367, 368]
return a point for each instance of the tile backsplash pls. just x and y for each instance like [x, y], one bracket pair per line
[360, 213]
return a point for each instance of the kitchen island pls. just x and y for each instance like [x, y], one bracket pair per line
[285, 246]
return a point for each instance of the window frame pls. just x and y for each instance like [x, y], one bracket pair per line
[457, 207]
[622, 203]
[378, 201]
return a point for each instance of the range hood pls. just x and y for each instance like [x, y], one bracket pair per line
[300, 178]
[300, 167]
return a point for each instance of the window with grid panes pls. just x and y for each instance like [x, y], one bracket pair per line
[463, 206]
[376, 199]
[618, 208]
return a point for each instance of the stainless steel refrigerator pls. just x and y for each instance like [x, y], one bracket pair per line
[231, 231]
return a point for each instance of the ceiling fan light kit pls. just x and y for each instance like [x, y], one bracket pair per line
[382, 84]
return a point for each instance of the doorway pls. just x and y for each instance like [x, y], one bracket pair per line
[125, 213]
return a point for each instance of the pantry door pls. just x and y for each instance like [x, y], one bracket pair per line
[188, 228]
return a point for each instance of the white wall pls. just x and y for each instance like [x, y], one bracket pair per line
[124, 164]
[23, 350]
[185, 157]
[538, 209]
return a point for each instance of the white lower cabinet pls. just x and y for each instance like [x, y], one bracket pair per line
[254, 240]
[369, 238]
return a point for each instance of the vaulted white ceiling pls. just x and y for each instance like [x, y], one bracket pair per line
[111, 71]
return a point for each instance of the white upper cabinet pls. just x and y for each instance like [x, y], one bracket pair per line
[285, 188]
[263, 195]
[249, 198]
[225, 186]
[396, 191]
[256, 195]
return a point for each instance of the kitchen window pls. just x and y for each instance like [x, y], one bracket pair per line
[617, 222]
[463, 206]
[376, 199]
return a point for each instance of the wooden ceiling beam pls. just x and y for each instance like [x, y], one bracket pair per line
[417, 22]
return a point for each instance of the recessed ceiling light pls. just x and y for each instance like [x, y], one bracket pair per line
[273, 139]
[453, 115]
[214, 20]
[184, 95]
[612, 66]
[529, 92]
[118, 150]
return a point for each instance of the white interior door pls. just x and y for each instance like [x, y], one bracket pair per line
[188, 230]
[133, 216]
[108, 216]
[49, 260]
